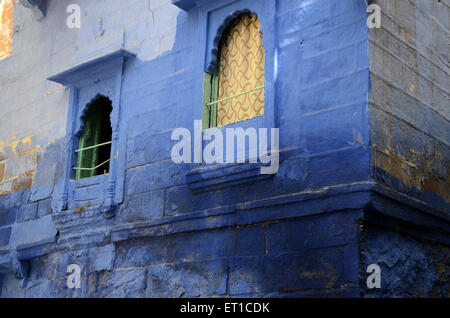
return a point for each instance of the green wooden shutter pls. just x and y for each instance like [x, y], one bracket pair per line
[207, 78]
[90, 137]
[214, 95]
[210, 94]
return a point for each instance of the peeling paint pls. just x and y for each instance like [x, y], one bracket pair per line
[19, 163]
[409, 127]
[2, 170]
[6, 27]
[437, 185]
[26, 140]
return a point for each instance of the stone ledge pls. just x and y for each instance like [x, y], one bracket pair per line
[333, 199]
[33, 233]
[370, 199]
[74, 74]
[363, 195]
[28, 240]
[185, 5]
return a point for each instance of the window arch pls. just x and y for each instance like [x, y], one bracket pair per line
[235, 91]
[6, 27]
[94, 145]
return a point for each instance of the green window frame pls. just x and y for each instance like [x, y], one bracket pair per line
[210, 95]
[90, 144]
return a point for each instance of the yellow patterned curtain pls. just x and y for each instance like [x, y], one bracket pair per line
[241, 70]
[6, 27]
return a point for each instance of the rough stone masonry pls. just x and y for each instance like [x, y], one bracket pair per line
[363, 117]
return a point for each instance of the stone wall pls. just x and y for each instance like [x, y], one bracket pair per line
[409, 139]
[294, 233]
[409, 99]
[263, 259]
[410, 266]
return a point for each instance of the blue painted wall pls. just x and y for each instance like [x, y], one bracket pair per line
[296, 233]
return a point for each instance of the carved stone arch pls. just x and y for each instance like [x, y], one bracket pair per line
[220, 32]
[213, 18]
[85, 107]
[88, 80]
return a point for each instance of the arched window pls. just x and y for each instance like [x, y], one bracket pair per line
[235, 91]
[6, 27]
[94, 147]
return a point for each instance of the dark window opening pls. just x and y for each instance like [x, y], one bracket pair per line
[94, 146]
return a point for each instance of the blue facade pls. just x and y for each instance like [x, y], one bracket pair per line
[153, 228]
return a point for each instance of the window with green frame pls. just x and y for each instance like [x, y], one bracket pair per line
[94, 147]
[235, 91]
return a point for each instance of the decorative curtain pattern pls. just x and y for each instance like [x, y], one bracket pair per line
[241, 69]
[6, 27]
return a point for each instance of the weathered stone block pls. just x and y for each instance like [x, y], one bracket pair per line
[176, 248]
[34, 232]
[178, 201]
[127, 283]
[8, 216]
[142, 207]
[251, 241]
[78, 257]
[310, 269]
[41, 193]
[27, 212]
[102, 258]
[5, 234]
[44, 208]
[314, 232]
[155, 176]
[196, 279]
[44, 267]
[409, 267]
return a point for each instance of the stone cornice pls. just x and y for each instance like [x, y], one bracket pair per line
[186, 5]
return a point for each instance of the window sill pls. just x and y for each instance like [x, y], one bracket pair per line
[210, 177]
[255, 122]
[86, 179]
[87, 192]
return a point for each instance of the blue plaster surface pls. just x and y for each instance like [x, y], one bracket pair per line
[171, 233]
